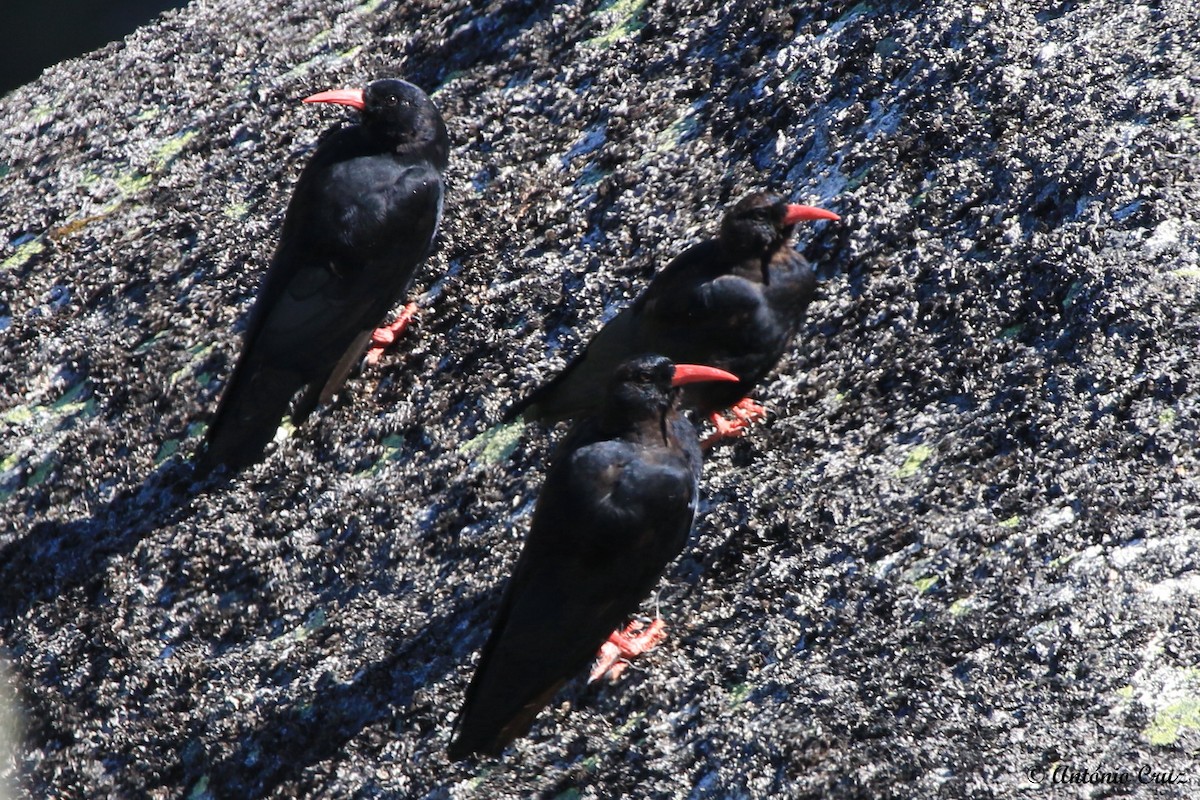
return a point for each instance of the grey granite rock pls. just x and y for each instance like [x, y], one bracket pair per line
[960, 560]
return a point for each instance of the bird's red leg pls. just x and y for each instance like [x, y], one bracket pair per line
[745, 412]
[635, 639]
[383, 337]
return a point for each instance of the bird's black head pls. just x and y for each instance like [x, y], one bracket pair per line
[647, 387]
[641, 388]
[399, 114]
[761, 222]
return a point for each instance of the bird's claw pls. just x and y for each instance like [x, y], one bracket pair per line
[382, 338]
[748, 411]
[745, 412]
[622, 645]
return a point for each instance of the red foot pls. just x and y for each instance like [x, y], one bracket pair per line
[382, 338]
[637, 638]
[745, 412]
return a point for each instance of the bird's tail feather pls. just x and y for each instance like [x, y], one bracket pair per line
[248, 416]
[578, 388]
[321, 391]
[551, 402]
[489, 724]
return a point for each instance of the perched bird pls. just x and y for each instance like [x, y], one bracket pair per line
[363, 216]
[616, 507]
[733, 302]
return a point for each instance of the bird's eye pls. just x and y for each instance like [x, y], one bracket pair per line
[391, 100]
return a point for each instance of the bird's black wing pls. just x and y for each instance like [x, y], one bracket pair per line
[608, 522]
[357, 226]
[403, 218]
[366, 234]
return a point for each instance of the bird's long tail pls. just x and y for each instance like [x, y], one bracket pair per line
[248, 416]
[581, 383]
[562, 397]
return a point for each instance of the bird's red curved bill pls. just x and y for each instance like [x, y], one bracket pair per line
[797, 213]
[344, 97]
[694, 373]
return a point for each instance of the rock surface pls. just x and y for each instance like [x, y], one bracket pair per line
[960, 560]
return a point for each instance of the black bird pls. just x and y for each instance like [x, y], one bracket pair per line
[362, 218]
[616, 507]
[733, 302]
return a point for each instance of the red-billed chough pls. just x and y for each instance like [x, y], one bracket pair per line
[616, 507]
[734, 302]
[363, 216]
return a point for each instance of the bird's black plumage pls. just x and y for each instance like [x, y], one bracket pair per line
[363, 216]
[734, 302]
[616, 507]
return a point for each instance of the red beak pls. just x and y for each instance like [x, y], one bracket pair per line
[344, 97]
[797, 213]
[694, 373]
